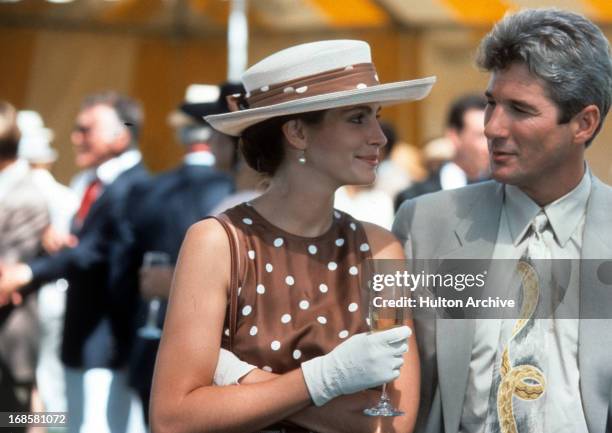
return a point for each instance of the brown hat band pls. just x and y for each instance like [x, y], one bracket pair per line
[351, 77]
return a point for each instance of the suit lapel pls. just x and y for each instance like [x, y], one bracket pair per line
[473, 238]
[595, 336]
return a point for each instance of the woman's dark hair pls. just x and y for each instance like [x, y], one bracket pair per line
[9, 132]
[262, 144]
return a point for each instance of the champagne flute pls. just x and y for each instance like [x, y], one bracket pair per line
[151, 331]
[381, 318]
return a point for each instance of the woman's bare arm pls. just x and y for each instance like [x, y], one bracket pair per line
[183, 398]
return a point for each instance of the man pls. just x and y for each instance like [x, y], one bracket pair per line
[161, 211]
[23, 217]
[549, 92]
[468, 151]
[95, 339]
[465, 130]
[436, 153]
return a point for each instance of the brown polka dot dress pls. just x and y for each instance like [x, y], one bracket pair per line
[298, 297]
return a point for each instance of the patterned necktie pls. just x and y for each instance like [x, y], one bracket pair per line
[91, 194]
[519, 382]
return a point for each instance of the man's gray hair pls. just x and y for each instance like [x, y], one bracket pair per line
[129, 111]
[564, 49]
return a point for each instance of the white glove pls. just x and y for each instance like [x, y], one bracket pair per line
[363, 361]
[230, 369]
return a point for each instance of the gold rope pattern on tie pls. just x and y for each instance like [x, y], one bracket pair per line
[527, 382]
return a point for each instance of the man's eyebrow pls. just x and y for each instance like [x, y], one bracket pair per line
[518, 102]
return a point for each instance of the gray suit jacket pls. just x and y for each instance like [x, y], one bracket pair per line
[463, 224]
[23, 216]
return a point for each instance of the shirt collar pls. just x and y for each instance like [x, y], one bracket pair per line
[199, 158]
[111, 169]
[564, 214]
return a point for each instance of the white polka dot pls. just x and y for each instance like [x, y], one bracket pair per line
[339, 242]
[288, 89]
[286, 318]
[267, 368]
[304, 304]
[248, 94]
[275, 345]
[278, 242]
[261, 289]
[265, 88]
[376, 77]
[322, 320]
[253, 330]
[349, 68]
[312, 249]
[368, 321]
[361, 86]
[364, 247]
[353, 307]
[251, 254]
[323, 288]
[297, 354]
[332, 266]
[289, 280]
[269, 267]
[343, 334]
[247, 221]
[337, 214]
[226, 332]
[236, 95]
[301, 89]
[246, 310]
[353, 270]
[353, 226]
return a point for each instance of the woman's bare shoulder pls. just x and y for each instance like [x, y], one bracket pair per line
[383, 243]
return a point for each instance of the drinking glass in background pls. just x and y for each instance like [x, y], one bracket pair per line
[151, 330]
[382, 318]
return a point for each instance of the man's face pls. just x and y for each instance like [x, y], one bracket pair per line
[98, 136]
[528, 147]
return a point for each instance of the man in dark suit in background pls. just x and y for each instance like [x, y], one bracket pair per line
[159, 214]
[95, 339]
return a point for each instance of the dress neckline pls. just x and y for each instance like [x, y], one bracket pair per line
[337, 217]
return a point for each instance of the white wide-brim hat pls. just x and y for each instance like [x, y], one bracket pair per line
[35, 142]
[312, 77]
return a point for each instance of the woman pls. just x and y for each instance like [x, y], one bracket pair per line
[309, 120]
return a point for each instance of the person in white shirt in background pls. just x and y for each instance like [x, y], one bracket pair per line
[465, 129]
[35, 148]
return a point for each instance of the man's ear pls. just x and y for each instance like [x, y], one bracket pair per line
[295, 134]
[121, 140]
[585, 123]
[453, 135]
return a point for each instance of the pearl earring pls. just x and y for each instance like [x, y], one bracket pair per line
[302, 158]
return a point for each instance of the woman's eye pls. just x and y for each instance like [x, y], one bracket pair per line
[357, 119]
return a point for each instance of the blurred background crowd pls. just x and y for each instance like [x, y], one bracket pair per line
[105, 161]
